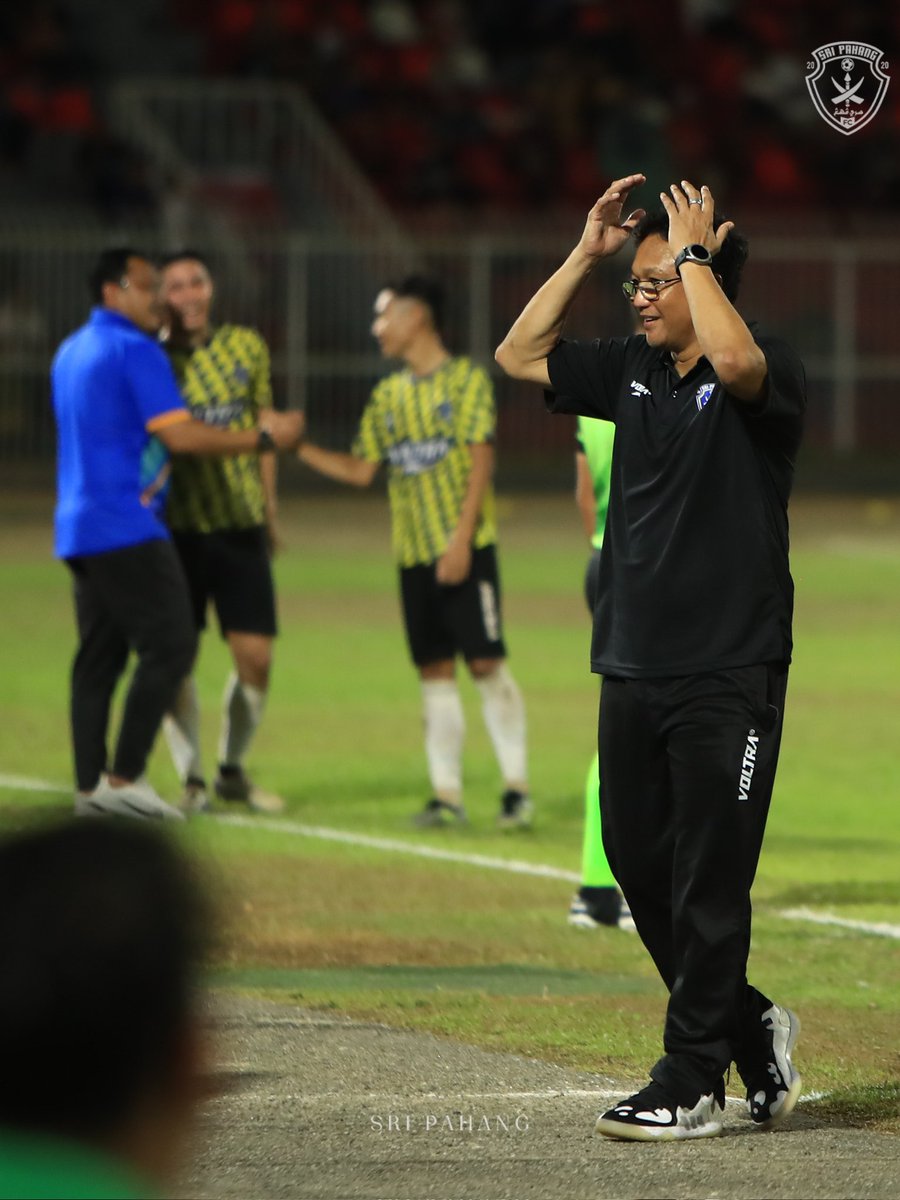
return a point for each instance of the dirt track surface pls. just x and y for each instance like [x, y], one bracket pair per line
[315, 1107]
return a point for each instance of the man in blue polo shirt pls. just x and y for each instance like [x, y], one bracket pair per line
[119, 413]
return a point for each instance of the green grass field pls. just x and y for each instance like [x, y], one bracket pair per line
[481, 954]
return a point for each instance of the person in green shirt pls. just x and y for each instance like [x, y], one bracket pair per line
[102, 926]
[598, 901]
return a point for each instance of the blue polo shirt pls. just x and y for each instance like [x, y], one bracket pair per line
[113, 388]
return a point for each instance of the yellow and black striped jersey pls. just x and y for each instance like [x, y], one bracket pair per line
[224, 383]
[422, 428]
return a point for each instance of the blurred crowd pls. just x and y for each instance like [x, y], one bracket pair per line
[513, 106]
[459, 105]
[55, 141]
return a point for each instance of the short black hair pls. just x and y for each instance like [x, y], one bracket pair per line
[185, 255]
[102, 927]
[110, 267]
[728, 264]
[425, 288]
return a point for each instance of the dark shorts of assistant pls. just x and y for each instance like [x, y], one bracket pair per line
[465, 618]
[231, 568]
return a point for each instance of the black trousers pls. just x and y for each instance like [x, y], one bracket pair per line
[133, 599]
[687, 767]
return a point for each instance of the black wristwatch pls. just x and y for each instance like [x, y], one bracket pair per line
[264, 442]
[695, 254]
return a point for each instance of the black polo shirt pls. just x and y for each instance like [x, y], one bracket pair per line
[694, 571]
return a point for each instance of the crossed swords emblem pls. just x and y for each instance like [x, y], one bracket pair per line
[847, 106]
[849, 92]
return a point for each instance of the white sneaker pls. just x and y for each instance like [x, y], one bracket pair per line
[137, 799]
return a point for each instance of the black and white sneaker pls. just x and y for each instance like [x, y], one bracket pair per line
[194, 796]
[592, 907]
[439, 812]
[772, 1083]
[234, 784]
[652, 1115]
[516, 810]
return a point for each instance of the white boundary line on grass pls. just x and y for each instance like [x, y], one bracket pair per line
[26, 784]
[393, 845]
[397, 846]
[881, 928]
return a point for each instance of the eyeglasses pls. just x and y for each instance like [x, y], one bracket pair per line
[649, 288]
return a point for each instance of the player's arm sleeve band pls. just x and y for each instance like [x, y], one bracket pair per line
[175, 416]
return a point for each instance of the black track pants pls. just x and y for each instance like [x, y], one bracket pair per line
[133, 599]
[687, 767]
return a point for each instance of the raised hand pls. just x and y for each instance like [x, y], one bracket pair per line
[605, 232]
[691, 213]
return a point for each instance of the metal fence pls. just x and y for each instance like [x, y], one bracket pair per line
[835, 301]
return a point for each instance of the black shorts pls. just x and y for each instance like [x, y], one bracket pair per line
[231, 567]
[464, 618]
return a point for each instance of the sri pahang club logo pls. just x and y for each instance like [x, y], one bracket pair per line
[847, 82]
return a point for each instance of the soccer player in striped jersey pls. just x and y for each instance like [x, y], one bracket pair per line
[432, 423]
[222, 519]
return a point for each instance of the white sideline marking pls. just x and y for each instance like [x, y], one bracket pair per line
[515, 866]
[25, 784]
[400, 847]
[880, 928]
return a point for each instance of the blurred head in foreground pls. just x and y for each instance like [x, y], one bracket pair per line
[102, 929]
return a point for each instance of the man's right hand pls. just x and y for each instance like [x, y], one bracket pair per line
[605, 232]
[286, 428]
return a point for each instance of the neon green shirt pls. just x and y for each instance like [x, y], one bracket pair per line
[33, 1167]
[595, 440]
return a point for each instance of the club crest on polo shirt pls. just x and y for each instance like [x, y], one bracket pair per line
[638, 389]
[704, 392]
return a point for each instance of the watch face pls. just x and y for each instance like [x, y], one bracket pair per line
[696, 253]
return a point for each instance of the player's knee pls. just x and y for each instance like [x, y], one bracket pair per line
[484, 668]
[254, 667]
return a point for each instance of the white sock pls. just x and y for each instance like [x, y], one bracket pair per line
[504, 716]
[242, 710]
[445, 728]
[181, 726]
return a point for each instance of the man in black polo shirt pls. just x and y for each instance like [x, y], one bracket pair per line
[692, 630]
